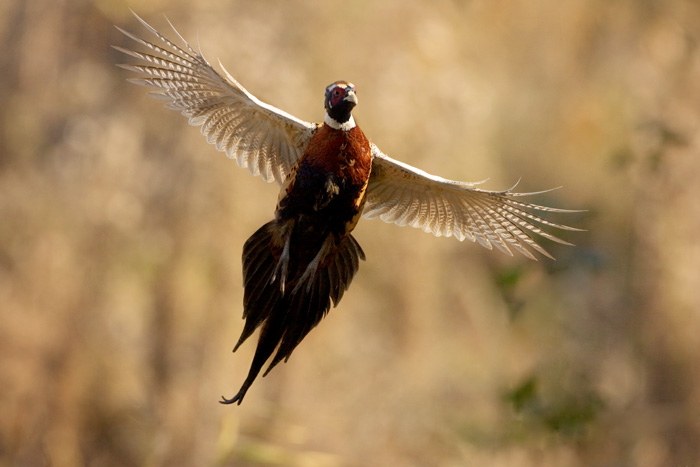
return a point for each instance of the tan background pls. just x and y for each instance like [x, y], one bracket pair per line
[121, 232]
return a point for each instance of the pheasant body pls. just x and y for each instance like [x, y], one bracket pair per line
[294, 265]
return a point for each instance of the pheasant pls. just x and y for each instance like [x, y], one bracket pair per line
[302, 261]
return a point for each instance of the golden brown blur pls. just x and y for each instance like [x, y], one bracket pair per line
[121, 233]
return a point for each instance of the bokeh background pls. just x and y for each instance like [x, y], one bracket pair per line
[121, 232]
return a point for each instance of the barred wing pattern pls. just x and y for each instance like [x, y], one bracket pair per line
[258, 136]
[404, 195]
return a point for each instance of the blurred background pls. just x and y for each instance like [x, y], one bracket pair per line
[121, 233]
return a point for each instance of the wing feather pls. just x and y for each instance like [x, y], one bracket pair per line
[404, 195]
[263, 138]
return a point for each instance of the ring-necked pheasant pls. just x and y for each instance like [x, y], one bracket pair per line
[305, 258]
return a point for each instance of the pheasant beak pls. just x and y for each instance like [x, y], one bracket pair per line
[350, 96]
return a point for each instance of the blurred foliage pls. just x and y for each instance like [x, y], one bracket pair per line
[121, 232]
[570, 417]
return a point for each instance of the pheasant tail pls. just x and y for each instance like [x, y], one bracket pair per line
[286, 298]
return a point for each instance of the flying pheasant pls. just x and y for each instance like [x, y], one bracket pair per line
[330, 174]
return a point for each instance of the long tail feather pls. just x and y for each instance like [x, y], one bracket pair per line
[287, 317]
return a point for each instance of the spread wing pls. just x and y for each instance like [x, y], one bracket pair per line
[406, 195]
[259, 136]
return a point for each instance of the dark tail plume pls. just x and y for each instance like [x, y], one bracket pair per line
[287, 312]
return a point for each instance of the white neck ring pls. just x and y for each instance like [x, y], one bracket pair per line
[347, 126]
